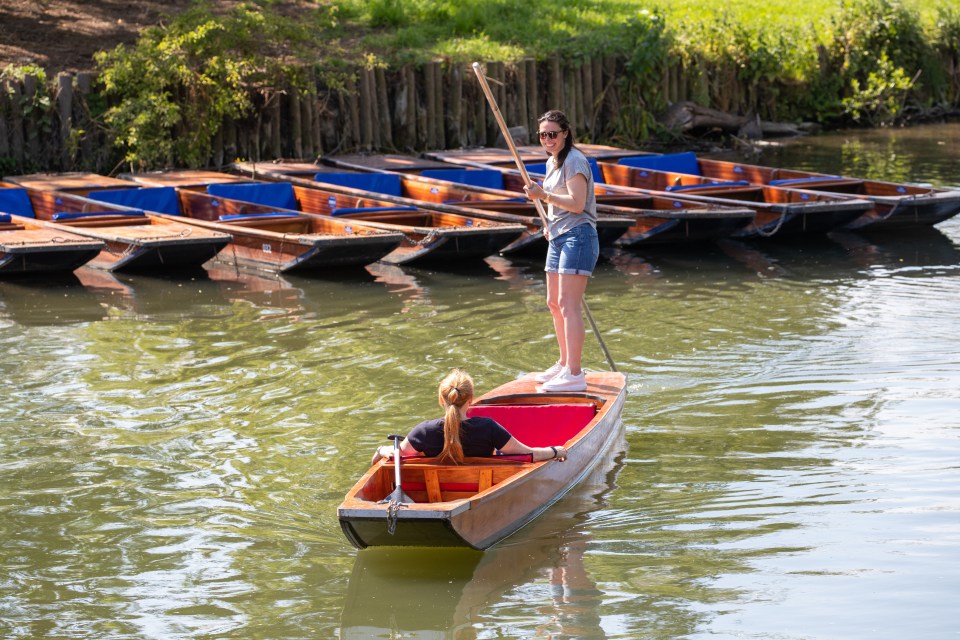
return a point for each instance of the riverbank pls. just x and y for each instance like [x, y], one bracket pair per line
[225, 80]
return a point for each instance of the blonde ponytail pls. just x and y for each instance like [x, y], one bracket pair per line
[456, 393]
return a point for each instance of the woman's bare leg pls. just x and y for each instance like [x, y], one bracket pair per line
[570, 290]
[553, 303]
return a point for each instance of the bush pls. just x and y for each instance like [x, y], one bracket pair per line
[179, 83]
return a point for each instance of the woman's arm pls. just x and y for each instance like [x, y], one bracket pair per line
[386, 451]
[573, 201]
[515, 447]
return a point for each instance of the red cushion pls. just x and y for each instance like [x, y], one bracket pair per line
[539, 425]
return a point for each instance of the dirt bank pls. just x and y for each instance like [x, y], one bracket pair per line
[63, 35]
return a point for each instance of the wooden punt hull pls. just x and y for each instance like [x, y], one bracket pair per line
[298, 242]
[778, 211]
[28, 248]
[434, 237]
[528, 242]
[610, 225]
[456, 512]
[263, 240]
[895, 205]
[656, 219]
[132, 240]
[909, 212]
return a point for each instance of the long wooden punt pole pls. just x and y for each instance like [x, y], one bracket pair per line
[526, 180]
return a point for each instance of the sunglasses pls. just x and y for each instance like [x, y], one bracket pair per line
[549, 134]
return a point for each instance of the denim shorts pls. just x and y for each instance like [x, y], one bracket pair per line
[574, 252]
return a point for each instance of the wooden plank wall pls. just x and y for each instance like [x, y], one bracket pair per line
[54, 127]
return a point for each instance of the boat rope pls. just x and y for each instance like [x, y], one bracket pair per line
[53, 240]
[429, 238]
[393, 510]
[283, 240]
[767, 234]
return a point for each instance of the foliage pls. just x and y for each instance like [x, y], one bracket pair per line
[646, 40]
[180, 82]
[879, 51]
[881, 97]
[38, 107]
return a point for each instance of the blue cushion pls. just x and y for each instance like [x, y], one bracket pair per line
[345, 210]
[385, 183]
[4, 217]
[270, 194]
[158, 199]
[597, 174]
[469, 202]
[781, 183]
[251, 216]
[490, 178]
[541, 169]
[685, 162]
[73, 215]
[17, 202]
[694, 187]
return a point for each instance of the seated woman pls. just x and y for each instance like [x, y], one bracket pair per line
[456, 436]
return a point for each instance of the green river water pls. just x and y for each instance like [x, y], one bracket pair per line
[172, 451]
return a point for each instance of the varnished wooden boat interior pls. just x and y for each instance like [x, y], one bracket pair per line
[427, 480]
[484, 500]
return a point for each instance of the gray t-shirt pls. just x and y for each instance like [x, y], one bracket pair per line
[560, 220]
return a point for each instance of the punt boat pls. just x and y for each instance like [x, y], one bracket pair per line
[262, 238]
[408, 180]
[393, 190]
[895, 205]
[132, 239]
[28, 248]
[652, 219]
[780, 211]
[429, 237]
[484, 500]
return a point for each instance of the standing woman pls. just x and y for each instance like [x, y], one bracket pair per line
[573, 246]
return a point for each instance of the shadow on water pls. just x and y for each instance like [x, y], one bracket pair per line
[49, 301]
[446, 593]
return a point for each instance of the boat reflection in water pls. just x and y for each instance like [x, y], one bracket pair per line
[921, 247]
[427, 593]
[49, 300]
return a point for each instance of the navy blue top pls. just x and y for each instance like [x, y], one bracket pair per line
[479, 437]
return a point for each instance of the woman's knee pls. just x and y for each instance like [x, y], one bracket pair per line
[569, 306]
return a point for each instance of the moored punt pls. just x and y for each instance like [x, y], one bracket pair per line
[484, 500]
[27, 247]
[393, 190]
[625, 220]
[431, 182]
[262, 238]
[439, 238]
[133, 240]
[784, 212]
[895, 205]
[781, 212]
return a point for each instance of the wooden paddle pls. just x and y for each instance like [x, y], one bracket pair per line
[397, 497]
[526, 180]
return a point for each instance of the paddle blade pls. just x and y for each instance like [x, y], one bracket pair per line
[399, 496]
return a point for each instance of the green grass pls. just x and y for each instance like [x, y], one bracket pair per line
[508, 30]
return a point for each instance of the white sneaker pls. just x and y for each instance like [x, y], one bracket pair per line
[566, 381]
[550, 373]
